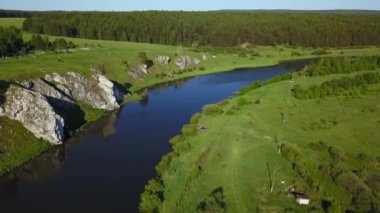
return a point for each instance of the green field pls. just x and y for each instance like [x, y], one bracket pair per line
[239, 145]
[7, 22]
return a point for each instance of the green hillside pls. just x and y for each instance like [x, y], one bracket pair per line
[327, 148]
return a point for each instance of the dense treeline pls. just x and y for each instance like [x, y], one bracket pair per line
[337, 86]
[213, 28]
[327, 66]
[15, 13]
[24, 14]
[12, 44]
[11, 41]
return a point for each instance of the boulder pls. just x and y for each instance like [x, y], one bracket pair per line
[139, 72]
[204, 57]
[163, 59]
[35, 113]
[96, 90]
[185, 61]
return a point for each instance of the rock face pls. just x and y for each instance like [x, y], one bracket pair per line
[36, 103]
[139, 72]
[35, 113]
[97, 91]
[60, 98]
[185, 61]
[163, 59]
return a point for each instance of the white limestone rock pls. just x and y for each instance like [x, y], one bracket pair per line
[185, 61]
[96, 90]
[35, 113]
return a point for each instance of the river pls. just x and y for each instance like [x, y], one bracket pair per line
[105, 167]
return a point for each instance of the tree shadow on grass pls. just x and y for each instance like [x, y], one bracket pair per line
[4, 86]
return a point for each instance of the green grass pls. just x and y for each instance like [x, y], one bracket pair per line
[17, 145]
[7, 22]
[237, 147]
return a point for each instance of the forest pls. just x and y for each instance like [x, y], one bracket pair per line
[223, 29]
[335, 87]
[339, 65]
[12, 43]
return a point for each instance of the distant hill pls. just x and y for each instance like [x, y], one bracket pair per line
[363, 12]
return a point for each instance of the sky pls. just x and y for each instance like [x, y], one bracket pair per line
[192, 5]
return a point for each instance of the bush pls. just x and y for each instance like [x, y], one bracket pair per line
[149, 202]
[295, 53]
[202, 68]
[214, 202]
[250, 87]
[179, 145]
[152, 197]
[163, 166]
[336, 154]
[195, 173]
[320, 146]
[195, 118]
[242, 102]
[258, 101]
[213, 110]
[189, 130]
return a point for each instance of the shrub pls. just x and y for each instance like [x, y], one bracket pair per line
[290, 152]
[250, 87]
[320, 52]
[213, 110]
[202, 68]
[336, 154]
[152, 197]
[195, 118]
[163, 166]
[242, 101]
[195, 173]
[179, 145]
[230, 112]
[295, 53]
[214, 202]
[258, 101]
[149, 202]
[189, 130]
[320, 146]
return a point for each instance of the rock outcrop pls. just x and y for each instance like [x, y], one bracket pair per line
[185, 61]
[41, 104]
[96, 91]
[139, 72]
[57, 97]
[163, 59]
[36, 114]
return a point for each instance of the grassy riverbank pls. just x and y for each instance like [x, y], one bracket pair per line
[267, 138]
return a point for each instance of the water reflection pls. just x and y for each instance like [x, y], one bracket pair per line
[105, 127]
[49, 163]
[36, 170]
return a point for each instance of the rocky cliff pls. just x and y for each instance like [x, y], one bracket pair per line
[35, 102]
[34, 111]
[96, 90]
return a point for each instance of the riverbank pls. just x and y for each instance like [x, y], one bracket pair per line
[264, 143]
[38, 65]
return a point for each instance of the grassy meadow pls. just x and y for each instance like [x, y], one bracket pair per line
[241, 148]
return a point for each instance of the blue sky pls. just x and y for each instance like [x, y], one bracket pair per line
[128, 5]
